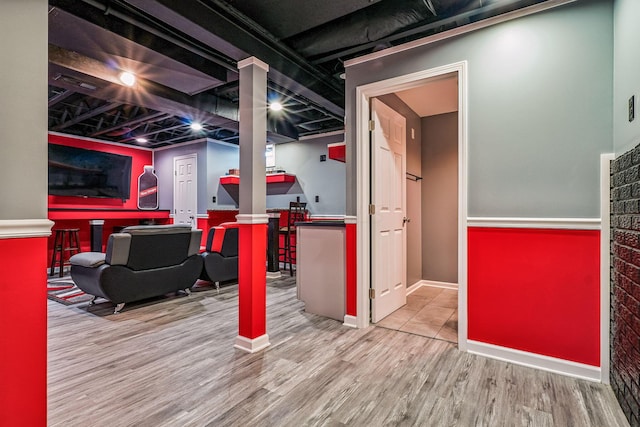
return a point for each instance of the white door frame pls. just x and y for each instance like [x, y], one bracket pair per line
[363, 246]
[605, 265]
[175, 159]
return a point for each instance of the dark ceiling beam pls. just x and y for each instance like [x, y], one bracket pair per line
[147, 118]
[151, 35]
[91, 113]
[310, 122]
[83, 64]
[204, 107]
[60, 97]
[218, 18]
[157, 131]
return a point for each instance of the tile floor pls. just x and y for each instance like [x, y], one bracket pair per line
[430, 311]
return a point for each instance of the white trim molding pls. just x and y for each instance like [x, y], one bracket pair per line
[252, 60]
[605, 264]
[533, 360]
[252, 218]
[414, 287]
[436, 284]
[24, 228]
[348, 219]
[252, 345]
[554, 223]
[350, 321]
[273, 274]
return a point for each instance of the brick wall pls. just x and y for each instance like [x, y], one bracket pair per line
[625, 283]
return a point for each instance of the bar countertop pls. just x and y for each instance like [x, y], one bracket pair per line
[326, 223]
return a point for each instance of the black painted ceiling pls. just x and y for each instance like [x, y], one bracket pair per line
[185, 54]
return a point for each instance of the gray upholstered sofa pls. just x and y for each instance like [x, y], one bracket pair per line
[141, 262]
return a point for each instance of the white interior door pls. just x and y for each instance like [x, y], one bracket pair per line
[185, 190]
[388, 185]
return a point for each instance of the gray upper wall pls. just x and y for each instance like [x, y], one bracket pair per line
[626, 13]
[23, 110]
[302, 158]
[313, 177]
[163, 165]
[539, 109]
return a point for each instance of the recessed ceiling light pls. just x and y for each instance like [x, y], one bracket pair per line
[142, 140]
[275, 106]
[127, 78]
[196, 126]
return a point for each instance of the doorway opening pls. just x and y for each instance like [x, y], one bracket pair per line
[433, 280]
[185, 190]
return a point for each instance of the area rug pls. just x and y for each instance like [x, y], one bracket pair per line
[64, 291]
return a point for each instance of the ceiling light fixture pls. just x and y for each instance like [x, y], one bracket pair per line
[127, 78]
[196, 126]
[142, 140]
[275, 106]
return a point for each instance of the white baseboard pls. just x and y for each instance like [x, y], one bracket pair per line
[252, 345]
[350, 321]
[414, 287]
[273, 274]
[538, 361]
[435, 284]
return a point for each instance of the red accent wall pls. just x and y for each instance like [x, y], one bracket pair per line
[113, 220]
[536, 290]
[23, 336]
[350, 271]
[139, 159]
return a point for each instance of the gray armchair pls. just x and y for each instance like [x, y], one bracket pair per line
[221, 254]
[141, 262]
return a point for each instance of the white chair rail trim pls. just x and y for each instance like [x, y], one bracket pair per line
[23, 228]
[556, 223]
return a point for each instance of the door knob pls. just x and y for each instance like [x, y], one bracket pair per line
[405, 220]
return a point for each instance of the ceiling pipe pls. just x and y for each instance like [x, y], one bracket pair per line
[449, 14]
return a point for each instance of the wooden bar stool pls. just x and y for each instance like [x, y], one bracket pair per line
[297, 213]
[66, 243]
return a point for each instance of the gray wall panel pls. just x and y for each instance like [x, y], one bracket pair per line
[440, 198]
[539, 112]
[23, 110]
[627, 78]
[314, 178]
[163, 164]
[220, 158]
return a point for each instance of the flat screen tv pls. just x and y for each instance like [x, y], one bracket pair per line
[88, 173]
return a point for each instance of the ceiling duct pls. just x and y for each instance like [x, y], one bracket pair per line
[376, 22]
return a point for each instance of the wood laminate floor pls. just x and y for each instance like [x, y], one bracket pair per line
[171, 362]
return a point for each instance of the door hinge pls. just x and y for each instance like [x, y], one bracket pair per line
[372, 125]
[372, 293]
[372, 209]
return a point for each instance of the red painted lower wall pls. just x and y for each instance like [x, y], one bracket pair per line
[536, 290]
[350, 271]
[23, 332]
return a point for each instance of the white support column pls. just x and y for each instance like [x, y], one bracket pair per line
[252, 304]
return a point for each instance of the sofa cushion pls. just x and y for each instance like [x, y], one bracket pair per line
[88, 259]
[118, 247]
